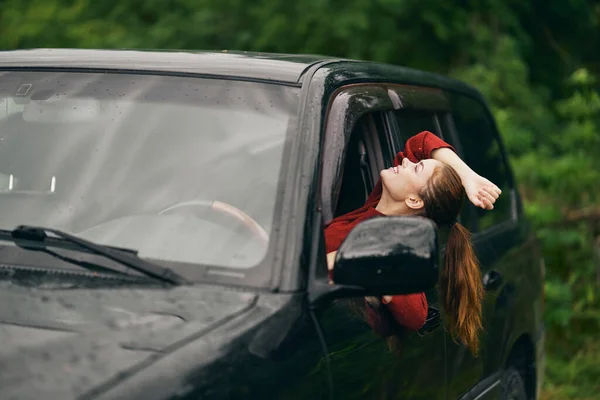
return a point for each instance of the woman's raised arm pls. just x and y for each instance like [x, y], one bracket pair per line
[480, 191]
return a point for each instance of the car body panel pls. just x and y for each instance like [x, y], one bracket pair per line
[272, 352]
[61, 343]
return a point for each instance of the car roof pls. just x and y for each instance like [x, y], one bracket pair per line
[287, 68]
[271, 67]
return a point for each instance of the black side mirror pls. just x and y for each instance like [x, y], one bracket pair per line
[389, 255]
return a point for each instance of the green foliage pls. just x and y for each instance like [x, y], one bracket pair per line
[536, 61]
[565, 374]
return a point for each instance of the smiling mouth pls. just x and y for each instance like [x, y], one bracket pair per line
[394, 170]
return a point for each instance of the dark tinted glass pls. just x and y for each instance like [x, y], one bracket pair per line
[411, 122]
[482, 153]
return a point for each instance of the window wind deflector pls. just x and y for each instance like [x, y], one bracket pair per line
[125, 257]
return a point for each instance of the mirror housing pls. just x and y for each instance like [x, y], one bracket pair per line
[389, 255]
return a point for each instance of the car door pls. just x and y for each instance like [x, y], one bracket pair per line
[363, 364]
[464, 370]
[503, 251]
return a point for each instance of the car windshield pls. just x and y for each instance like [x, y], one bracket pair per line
[181, 169]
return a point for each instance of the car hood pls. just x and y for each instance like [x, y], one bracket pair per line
[61, 343]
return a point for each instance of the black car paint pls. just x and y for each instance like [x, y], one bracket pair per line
[64, 342]
[248, 343]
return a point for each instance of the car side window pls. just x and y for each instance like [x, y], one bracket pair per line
[356, 109]
[482, 152]
[411, 122]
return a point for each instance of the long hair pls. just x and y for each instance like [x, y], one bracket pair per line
[461, 288]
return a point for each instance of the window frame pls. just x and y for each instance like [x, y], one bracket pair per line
[348, 105]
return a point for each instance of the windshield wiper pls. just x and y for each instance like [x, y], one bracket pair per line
[125, 257]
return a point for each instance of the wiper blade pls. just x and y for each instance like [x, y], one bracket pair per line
[51, 241]
[124, 257]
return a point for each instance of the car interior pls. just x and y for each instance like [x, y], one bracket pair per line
[364, 161]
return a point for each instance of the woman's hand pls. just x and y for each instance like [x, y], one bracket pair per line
[481, 192]
[331, 260]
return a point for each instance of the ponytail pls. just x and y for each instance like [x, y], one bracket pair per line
[461, 289]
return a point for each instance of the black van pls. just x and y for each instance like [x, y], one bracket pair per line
[162, 216]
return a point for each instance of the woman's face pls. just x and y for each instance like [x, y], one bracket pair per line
[407, 180]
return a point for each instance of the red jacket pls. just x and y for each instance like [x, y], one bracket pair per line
[408, 310]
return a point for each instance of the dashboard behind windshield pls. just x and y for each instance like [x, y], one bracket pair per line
[180, 169]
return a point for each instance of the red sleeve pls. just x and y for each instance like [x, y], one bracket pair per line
[337, 230]
[417, 148]
[420, 147]
[408, 311]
